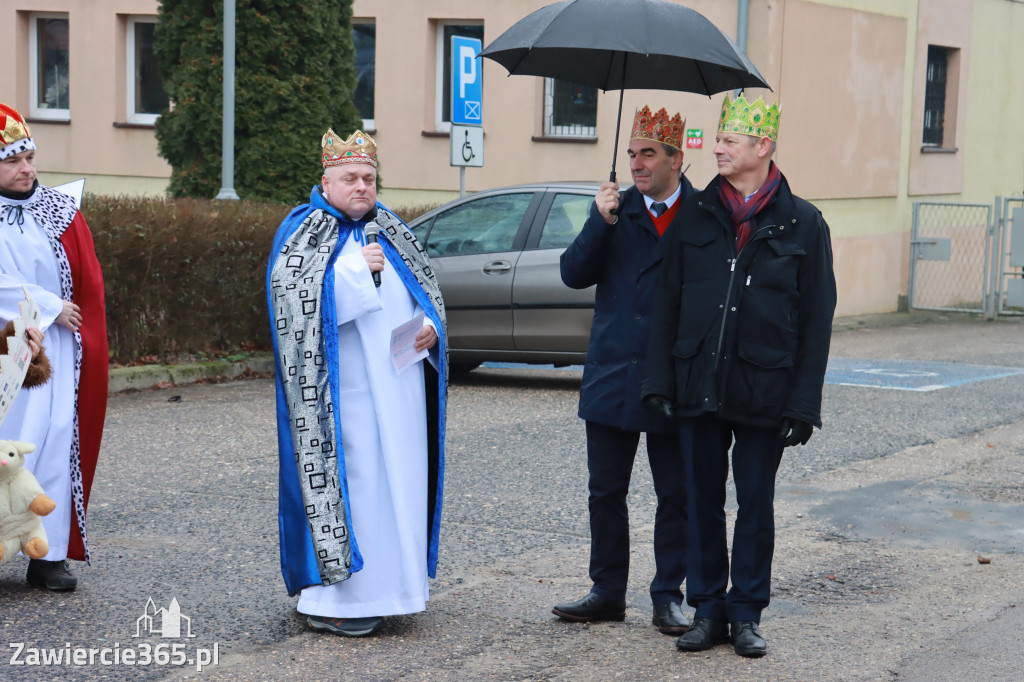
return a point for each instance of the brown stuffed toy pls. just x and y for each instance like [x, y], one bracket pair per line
[38, 370]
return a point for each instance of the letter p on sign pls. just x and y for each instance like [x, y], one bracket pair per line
[467, 68]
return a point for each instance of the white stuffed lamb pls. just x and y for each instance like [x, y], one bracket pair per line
[22, 503]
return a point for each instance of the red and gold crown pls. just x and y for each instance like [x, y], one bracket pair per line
[358, 148]
[15, 137]
[658, 127]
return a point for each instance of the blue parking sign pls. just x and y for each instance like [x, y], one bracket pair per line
[467, 81]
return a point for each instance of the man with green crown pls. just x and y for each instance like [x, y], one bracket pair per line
[737, 353]
[360, 434]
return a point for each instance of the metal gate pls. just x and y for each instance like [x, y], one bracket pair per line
[1008, 273]
[968, 257]
[950, 254]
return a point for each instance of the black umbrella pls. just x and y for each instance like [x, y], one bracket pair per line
[619, 44]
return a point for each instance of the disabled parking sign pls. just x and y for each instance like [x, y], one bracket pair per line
[467, 146]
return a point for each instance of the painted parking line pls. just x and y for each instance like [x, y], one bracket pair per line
[910, 375]
[900, 375]
[522, 365]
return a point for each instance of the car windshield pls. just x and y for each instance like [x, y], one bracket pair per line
[485, 225]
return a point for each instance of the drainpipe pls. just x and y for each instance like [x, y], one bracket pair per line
[742, 11]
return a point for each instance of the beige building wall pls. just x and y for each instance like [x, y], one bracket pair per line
[946, 23]
[850, 75]
[857, 69]
[96, 142]
[514, 147]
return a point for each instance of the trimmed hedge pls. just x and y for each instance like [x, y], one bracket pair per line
[185, 276]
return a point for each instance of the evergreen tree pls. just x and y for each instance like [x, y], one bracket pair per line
[294, 78]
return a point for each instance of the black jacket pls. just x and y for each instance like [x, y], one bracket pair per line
[624, 261]
[745, 336]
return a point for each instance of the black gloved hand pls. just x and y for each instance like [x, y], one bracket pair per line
[661, 405]
[795, 432]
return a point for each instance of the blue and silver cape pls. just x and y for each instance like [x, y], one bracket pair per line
[318, 546]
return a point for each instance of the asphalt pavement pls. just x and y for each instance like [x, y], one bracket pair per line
[898, 554]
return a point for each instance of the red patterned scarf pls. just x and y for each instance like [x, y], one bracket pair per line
[743, 212]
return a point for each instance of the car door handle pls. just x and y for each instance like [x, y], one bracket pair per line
[497, 267]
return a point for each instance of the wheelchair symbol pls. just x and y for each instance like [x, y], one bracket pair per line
[467, 150]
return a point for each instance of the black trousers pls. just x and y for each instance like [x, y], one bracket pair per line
[610, 455]
[756, 453]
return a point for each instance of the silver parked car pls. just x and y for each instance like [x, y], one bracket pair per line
[496, 256]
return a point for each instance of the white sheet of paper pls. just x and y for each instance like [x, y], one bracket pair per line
[14, 365]
[73, 189]
[403, 343]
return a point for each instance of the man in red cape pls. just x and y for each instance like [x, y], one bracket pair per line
[46, 248]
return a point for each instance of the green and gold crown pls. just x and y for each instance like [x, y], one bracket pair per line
[756, 119]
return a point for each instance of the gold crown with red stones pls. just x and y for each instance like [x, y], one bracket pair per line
[15, 137]
[658, 127]
[358, 148]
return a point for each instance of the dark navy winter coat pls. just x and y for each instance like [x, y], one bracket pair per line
[746, 335]
[624, 261]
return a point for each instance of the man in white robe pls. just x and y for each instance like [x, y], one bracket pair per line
[46, 247]
[359, 523]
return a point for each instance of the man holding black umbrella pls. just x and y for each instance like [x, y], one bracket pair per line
[738, 349]
[620, 250]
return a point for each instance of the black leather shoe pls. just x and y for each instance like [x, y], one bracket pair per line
[349, 627]
[670, 619]
[747, 639]
[704, 634]
[591, 608]
[53, 575]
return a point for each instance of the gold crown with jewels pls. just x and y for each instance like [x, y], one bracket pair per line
[15, 137]
[358, 148]
[756, 119]
[658, 127]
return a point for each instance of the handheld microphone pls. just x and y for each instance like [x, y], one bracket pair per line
[372, 230]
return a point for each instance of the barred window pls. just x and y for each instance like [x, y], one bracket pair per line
[570, 109]
[935, 96]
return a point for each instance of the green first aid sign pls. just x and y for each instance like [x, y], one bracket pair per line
[694, 138]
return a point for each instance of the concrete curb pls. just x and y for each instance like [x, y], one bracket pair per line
[144, 377]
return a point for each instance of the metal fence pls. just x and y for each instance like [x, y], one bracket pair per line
[950, 254]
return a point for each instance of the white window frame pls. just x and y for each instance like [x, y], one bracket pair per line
[439, 125]
[371, 123]
[35, 111]
[132, 116]
[550, 129]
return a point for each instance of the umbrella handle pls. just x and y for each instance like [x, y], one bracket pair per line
[611, 178]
